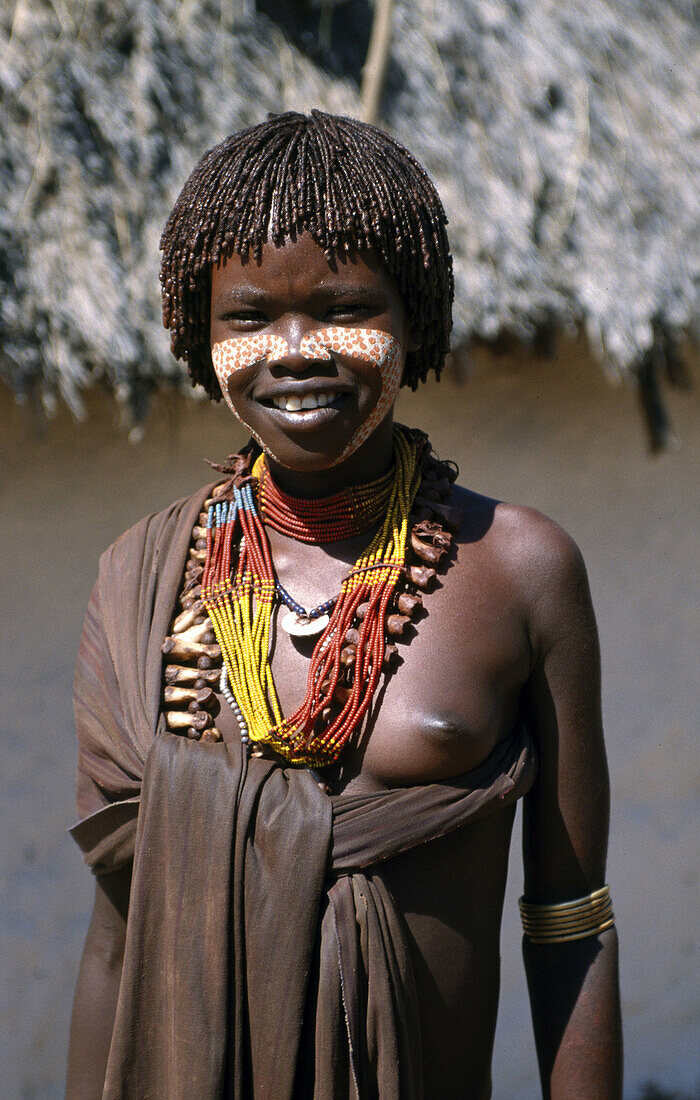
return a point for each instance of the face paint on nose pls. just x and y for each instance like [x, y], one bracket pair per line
[373, 346]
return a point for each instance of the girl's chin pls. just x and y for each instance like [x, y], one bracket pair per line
[307, 441]
[299, 452]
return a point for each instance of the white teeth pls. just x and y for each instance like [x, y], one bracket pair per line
[308, 401]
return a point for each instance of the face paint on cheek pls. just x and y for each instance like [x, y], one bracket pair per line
[239, 352]
[380, 349]
[242, 351]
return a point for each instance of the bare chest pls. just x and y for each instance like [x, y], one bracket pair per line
[453, 691]
[453, 688]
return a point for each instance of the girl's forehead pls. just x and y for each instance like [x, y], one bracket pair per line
[300, 264]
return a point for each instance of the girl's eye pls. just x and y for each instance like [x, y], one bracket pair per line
[246, 317]
[349, 309]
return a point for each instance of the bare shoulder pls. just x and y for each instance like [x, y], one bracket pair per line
[539, 560]
[519, 535]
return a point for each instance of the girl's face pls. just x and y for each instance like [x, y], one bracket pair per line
[309, 354]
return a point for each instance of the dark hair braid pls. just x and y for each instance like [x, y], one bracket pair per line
[348, 184]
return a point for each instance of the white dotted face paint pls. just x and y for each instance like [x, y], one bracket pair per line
[239, 352]
[373, 346]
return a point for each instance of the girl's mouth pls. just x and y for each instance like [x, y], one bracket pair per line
[306, 408]
[305, 402]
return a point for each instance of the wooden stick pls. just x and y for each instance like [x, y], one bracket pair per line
[215, 494]
[197, 632]
[374, 69]
[422, 576]
[189, 596]
[182, 720]
[434, 533]
[174, 695]
[390, 656]
[407, 603]
[432, 555]
[396, 624]
[177, 719]
[190, 698]
[206, 699]
[206, 677]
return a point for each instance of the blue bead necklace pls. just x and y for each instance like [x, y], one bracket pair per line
[292, 604]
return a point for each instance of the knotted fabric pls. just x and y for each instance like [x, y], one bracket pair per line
[265, 957]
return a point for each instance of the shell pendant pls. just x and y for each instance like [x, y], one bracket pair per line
[301, 626]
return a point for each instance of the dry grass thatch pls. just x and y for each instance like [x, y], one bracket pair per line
[560, 136]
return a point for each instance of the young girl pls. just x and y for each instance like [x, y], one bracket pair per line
[309, 696]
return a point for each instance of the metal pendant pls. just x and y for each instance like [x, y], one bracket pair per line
[299, 626]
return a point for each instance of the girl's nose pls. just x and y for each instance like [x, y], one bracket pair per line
[298, 356]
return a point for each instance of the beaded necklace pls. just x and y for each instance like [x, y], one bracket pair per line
[194, 665]
[239, 604]
[347, 513]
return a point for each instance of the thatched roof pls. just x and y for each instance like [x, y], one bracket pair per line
[560, 136]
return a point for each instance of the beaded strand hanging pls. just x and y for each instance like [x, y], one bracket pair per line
[239, 590]
[194, 667]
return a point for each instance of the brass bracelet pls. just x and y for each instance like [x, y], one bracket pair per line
[568, 920]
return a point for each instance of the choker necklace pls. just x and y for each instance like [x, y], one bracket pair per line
[327, 519]
[231, 588]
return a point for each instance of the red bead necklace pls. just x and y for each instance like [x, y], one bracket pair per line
[327, 519]
[239, 586]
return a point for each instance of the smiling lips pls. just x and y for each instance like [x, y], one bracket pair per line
[293, 403]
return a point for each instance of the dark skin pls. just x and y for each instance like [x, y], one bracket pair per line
[510, 630]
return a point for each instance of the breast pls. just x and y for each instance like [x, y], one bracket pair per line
[445, 708]
[444, 732]
[422, 746]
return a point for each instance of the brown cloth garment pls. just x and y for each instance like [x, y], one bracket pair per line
[257, 902]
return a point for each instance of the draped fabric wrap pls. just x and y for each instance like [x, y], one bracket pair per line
[265, 957]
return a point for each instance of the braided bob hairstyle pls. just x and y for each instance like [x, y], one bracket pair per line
[349, 185]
